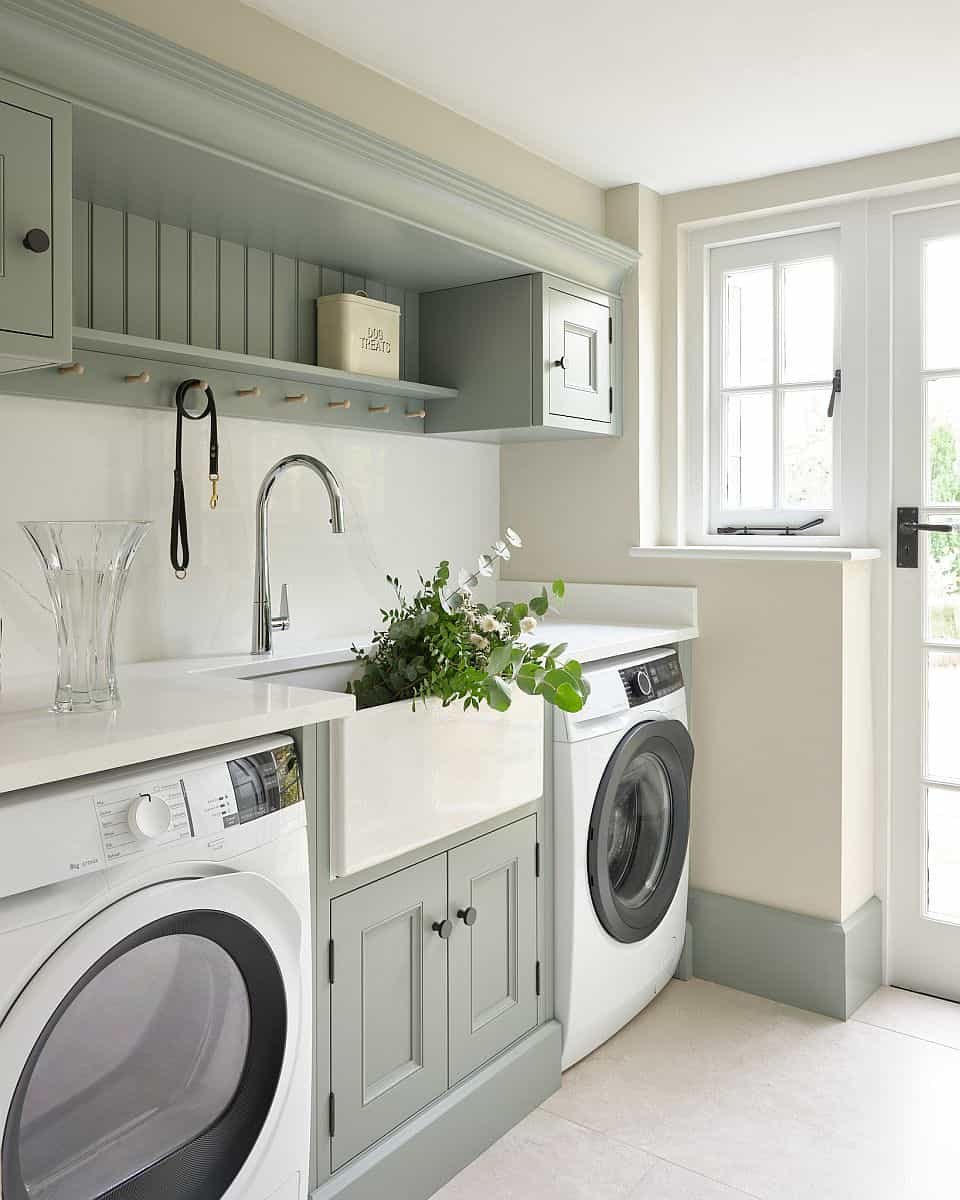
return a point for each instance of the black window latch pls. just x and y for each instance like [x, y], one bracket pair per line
[834, 392]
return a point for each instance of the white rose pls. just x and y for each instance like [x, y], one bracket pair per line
[528, 624]
[487, 623]
[480, 642]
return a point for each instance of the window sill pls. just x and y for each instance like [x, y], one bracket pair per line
[839, 554]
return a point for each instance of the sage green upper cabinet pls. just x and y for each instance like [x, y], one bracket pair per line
[493, 968]
[35, 229]
[533, 357]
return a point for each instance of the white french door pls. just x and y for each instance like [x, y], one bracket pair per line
[924, 902]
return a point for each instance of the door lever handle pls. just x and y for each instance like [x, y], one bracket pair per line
[909, 528]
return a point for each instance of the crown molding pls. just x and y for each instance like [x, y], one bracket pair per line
[118, 40]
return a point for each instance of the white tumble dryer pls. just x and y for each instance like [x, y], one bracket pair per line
[622, 768]
[155, 1023]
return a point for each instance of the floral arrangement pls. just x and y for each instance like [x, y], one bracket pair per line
[446, 644]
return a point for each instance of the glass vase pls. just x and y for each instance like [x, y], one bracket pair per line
[86, 564]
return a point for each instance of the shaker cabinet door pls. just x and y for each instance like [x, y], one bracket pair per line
[388, 1004]
[493, 907]
[35, 219]
[579, 358]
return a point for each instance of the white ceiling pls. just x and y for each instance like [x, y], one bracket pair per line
[674, 94]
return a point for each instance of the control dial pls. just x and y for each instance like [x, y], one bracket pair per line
[149, 816]
[641, 684]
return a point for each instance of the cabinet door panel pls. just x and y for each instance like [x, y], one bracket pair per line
[579, 338]
[26, 202]
[493, 998]
[388, 1004]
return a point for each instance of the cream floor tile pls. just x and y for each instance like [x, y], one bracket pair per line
[546, 1156]
[781, 1103]
[915, 1015]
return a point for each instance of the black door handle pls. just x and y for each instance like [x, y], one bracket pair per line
[443, 928]
[37, 240]
[909, 527]
[467, 915]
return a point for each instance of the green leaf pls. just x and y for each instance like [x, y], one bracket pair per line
[539, 605]
[558, 588]
[499, 660]
[568, 698]
[496, 694]
[520, 611]
[557, 650]
[538, 650]
[572, 667]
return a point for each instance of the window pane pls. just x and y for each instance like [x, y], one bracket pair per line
[942, 553]
[806, 317]
[941, 303]
[748, 466]
[943, 706]
[807, 435]
[943, 441]
[748, 327]
[943, 853]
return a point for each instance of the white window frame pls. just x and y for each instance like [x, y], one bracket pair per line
[845, 227]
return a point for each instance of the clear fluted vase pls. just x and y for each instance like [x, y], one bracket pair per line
[86, 564]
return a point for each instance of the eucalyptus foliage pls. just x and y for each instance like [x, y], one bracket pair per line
[447, 645]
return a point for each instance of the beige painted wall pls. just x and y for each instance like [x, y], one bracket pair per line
[247, 41]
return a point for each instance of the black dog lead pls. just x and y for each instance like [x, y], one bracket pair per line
[179, 542]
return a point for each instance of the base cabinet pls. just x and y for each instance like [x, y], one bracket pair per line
[35, 229]
[447, 945]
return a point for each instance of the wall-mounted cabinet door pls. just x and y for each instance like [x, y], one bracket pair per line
[388, 1004]
[493, 948]
[580, 333]
[35, 228]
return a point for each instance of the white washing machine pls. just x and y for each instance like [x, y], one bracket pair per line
[155, 992]
[622, 768]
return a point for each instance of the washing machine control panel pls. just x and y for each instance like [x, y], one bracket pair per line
[648, 681]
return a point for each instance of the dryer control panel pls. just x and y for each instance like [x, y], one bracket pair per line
[648, 681]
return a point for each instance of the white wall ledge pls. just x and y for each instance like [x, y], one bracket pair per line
[748, 553]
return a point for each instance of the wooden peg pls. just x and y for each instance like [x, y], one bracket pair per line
[72, 369]
[251, 391]
[301, 398]
[378, 408]
[420, 414]
[338, 404]
[143, 377]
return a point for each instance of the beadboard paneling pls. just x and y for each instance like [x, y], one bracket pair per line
[133, 275]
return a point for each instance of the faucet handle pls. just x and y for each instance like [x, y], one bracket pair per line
[283, 621]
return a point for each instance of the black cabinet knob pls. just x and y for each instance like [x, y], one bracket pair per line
[37, 240]
[467, 915]
[561, 362]
[443, 928]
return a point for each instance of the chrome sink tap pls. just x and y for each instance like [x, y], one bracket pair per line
[264, 622]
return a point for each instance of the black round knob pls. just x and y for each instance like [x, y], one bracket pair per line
[467, 915]
[561, 362]
[37, 240]
[443, 928]
[641, 683]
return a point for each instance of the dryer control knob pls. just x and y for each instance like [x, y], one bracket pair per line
[149, 816]
[642, 685]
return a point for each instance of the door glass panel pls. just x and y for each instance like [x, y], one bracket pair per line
[748, 471]
[943, 853]
[941, 303]
[806, 321]
[807, 439]
[943, 440]
[748, 327]
[578, 357]
[943, 707]
[942, 555]
[146, 1057]
[640, 830]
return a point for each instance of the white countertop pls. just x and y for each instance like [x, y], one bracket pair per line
[163, 712]
[176, 706]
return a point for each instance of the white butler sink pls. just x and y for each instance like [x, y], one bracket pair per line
[402, 778]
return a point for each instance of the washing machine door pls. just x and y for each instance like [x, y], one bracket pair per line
[639, 829]
[143, 1058]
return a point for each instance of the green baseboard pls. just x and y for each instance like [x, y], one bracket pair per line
[827, 967]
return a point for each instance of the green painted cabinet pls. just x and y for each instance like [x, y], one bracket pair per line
[35, 229]
[434, 972]
[533, 357]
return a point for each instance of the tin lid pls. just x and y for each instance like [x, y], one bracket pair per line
[359, 298]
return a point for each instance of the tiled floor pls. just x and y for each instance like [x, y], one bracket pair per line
[711, 1094]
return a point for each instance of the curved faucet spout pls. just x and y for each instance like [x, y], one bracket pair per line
[264, 622]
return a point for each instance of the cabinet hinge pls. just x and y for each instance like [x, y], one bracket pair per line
[536, 859]
[331, 961]
[538, 977]
[332, 1114]
[611, 331]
